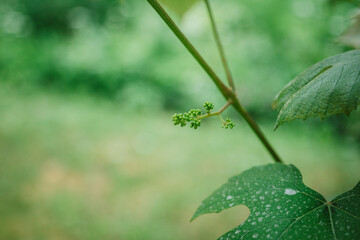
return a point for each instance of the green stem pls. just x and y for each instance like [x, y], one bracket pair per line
[218, 113]
[219, 45]
[160, 10]
[209, 115]
[240, 109]
[228, 93]
[222, 120]
[225, 106]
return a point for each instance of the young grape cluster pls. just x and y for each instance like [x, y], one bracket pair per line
[189, 117]
[194, 117]
[228, 124]
[208, 107]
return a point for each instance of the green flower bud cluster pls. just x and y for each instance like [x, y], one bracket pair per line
[190, 117]
[208, 107]
[195, 124]
[194, 117]
[228, 124]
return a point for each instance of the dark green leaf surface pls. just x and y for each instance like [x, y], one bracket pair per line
[329, 87]
[282, 207]
[180, 7]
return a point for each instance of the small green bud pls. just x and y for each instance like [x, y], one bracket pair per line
[195, 112]
[208, 107]
[187, 117]
[228, 124]
[190, 117]
[195, 123]
[179, 119]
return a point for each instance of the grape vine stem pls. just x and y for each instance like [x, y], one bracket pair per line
[228, 93]
[218, 113]
[219, 45]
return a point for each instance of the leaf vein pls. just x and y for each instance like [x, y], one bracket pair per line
[352, 87]
[345, 198]
[332, 92]
[332, 222]
[298, 218]
[358, 218]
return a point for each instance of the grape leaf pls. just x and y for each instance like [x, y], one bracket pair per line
[351, 36]
[180, 7]
[329, 87]
[282, 207]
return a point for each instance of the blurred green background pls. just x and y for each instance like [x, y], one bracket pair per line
[87, 90]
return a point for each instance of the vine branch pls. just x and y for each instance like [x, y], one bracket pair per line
[228, 93]
[171, 24]
[218, 113]
[219, 45]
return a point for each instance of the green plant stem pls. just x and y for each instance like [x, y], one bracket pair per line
[228, 93]
[162, 13]
[222, 120]
[219, 45]
[250, 121]
[209, 115]
[218, 113]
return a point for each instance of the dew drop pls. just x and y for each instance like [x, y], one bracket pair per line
[229, 197]
[289, 191]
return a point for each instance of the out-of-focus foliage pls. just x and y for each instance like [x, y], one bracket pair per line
[58, 15]
[351, 36]
[355, 2]
[123, 51]
[80, 168]
[180, 7]
[112, 59]
[77, 159]
[126, 53]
